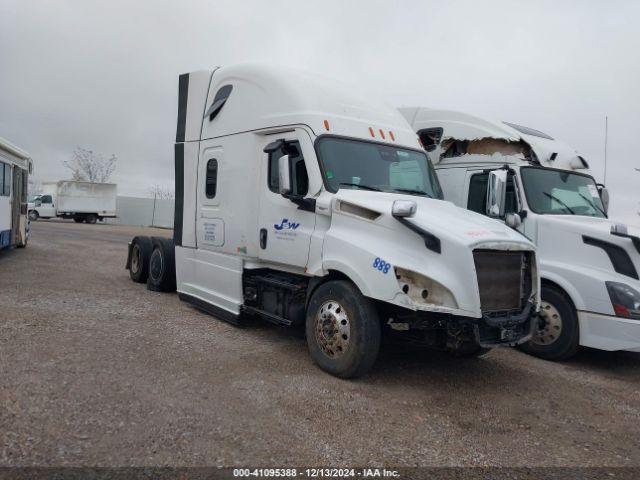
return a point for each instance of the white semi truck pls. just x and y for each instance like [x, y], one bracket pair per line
[81, 201]
[589, 264]
[303, 202]
[15, 167]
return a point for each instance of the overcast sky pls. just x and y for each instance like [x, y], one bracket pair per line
[104, 75]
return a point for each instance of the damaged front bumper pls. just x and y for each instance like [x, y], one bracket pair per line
[512, 328]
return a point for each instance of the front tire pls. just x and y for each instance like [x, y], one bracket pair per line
[34, 215]
[557, 336]
[343, 330]
[91, 218]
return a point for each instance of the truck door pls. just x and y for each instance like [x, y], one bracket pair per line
[47, 206]
[18, 234]
[284, 227]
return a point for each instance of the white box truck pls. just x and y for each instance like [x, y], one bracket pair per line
[81, 201]
[303, 202]
[15, 167]
[588, 264]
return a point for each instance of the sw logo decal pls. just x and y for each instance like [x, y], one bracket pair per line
[286, 225]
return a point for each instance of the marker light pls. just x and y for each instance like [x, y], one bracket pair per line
[326, 125]
[381, 134]
[371, 132]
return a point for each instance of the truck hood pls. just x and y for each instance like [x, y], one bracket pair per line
[569, 239]
[442, 219]
[585, 225]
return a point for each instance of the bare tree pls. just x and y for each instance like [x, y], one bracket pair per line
[89, 166]
[162, 193]
[34, 186]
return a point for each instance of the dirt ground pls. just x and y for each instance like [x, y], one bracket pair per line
[96, 370]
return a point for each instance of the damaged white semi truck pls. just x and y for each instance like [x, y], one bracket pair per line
[303, 202]
[588, 264]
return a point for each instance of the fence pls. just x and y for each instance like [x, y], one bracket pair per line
[144, 212]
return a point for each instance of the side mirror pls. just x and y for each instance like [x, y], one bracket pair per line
[284, 178]
[619, 229]
[604, 196]
[496, 193]
[513, 220]
[38, 203]
[404, 208]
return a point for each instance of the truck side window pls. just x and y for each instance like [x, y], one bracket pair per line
[46, 199]
[212, 178]
[299, 176]
[477, 201]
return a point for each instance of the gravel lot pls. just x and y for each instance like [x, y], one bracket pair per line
[96, 370]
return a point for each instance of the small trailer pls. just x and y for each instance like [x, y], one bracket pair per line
[81, 201]
[303, 202]
[15, 167]
[589, 264]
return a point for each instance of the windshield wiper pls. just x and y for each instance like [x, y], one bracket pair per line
[359, 185]
[417, 192]
[596, 207]
[553, 197]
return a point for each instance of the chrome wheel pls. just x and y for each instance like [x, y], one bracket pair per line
[549, 325]
[333, 330]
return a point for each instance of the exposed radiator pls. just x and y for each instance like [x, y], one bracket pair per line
[503, 279]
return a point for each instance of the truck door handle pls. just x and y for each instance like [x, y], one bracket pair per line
[263, 238]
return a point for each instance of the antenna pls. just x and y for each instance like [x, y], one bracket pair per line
[606, 134]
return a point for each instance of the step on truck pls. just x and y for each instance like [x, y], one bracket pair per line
[15, 167]
[588, 264]
[302, 202]
[81, 201]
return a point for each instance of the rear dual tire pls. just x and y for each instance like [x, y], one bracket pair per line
[141, 248]
[162, 266]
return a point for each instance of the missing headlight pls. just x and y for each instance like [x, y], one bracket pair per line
[423, 290]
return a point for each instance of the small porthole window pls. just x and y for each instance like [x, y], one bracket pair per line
[212, 178]
[218, 101]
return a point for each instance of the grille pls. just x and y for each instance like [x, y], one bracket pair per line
[502, 279]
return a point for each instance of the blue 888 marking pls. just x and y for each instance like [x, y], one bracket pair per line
[381, 265]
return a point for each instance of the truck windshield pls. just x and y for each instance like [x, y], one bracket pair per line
[559, 192]
[359, 164]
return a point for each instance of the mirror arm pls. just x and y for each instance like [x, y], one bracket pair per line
[306, 204]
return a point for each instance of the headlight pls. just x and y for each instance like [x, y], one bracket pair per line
[424, 290]
[625, 300]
